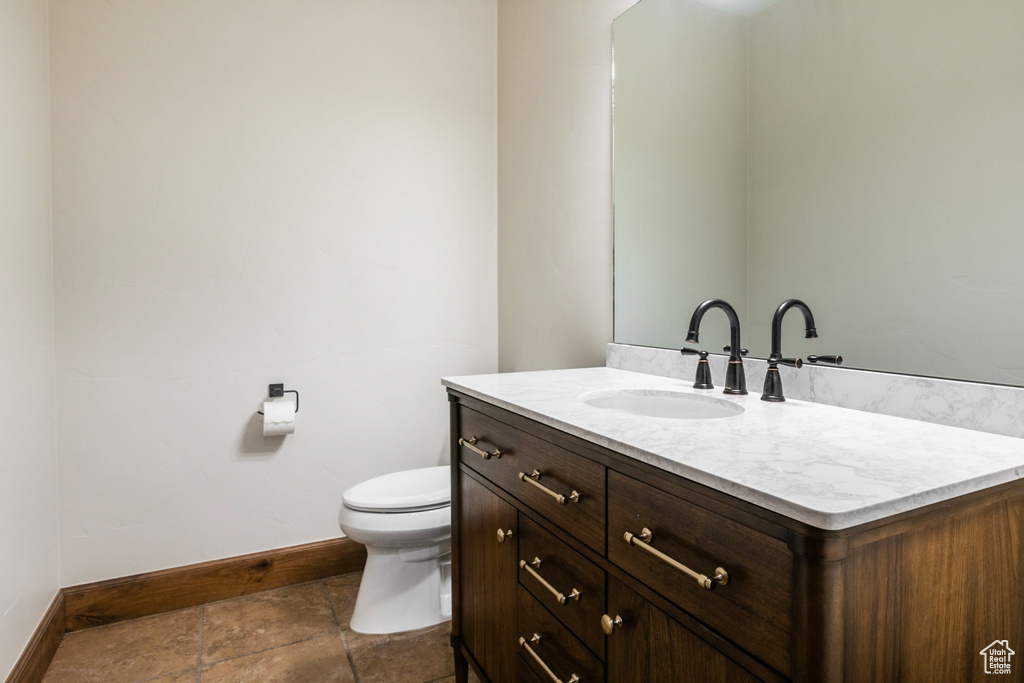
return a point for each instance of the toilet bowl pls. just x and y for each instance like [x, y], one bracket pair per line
[404, 520]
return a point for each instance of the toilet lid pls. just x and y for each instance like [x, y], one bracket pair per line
[427, 488]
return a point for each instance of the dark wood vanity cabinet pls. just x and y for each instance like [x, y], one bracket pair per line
[651, 646]
[755, 604]
[487, 578]
[574, 560]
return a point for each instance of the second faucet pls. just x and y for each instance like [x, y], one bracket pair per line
[772, 379]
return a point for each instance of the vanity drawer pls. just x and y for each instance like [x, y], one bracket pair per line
[556, 647]
[540, 474]
[752, 608]
[565, 571]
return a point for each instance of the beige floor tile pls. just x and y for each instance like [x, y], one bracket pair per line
[181, 677]
[265, 620]
[343, 590]
[410, 657]
[321, 660]
[451, 679]
[130, 651]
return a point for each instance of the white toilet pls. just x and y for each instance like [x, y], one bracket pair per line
[404, 520]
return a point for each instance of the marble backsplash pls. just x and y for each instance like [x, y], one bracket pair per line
[971, 405]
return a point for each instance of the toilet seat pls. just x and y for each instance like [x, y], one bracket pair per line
[423, 527]
[419, 490]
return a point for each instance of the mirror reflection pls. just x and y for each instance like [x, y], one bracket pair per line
[865, 156]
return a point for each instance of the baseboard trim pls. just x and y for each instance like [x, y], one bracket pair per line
[142, 595]
[131, 597]
[35, 659]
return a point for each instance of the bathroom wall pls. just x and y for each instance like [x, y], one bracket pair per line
[554, 182]
[244, 193]
[28, 477]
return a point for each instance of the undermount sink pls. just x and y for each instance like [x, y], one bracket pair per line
[658, 403]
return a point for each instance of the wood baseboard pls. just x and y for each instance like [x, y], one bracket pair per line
[35, 659]
[131, 597]
[142, 595]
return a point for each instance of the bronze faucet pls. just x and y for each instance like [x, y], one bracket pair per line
[735, 380]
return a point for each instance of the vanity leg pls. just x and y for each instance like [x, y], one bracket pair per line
[818, 615]
[461, 665]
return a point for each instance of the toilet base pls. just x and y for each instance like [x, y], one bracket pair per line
[404, 589]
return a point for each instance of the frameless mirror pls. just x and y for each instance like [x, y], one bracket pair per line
[866, 156]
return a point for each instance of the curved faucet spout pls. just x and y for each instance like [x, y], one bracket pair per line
[772, 379]
[693, 335]
[780, 312]
[735, 380]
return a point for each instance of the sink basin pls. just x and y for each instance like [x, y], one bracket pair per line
[658, 403]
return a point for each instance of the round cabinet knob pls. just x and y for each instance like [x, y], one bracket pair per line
[502, 535]
[608, 624]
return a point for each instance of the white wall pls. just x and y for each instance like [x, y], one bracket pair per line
[255, 192]
[554, 182]
[28, 477]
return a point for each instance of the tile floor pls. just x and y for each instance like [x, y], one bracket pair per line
[298, 634]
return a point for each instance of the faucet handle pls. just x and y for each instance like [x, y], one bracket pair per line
[703, 378]
[831, 360]
[791, 362]
[728, 349]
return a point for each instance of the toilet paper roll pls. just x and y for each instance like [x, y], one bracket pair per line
[278, 418]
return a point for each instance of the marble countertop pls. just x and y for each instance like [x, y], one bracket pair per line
[829, 467]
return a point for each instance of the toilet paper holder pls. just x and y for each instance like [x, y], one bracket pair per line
[277, 391]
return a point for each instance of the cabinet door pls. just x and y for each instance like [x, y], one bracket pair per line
[651, 646]
[488, 579]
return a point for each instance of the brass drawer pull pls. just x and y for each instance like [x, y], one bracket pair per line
[560, 596]
[644, 541]
[536, 657]
[470, 443]
[608, 624]
[534, 477]
[504, 535]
